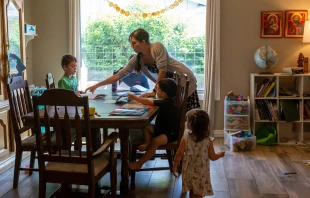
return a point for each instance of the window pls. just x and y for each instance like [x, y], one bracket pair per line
[105, 31]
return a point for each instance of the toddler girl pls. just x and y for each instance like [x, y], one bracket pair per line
[199, 150]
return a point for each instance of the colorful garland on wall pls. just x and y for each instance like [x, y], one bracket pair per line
[144, 15]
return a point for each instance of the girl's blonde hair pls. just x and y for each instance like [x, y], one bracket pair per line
[199, 123]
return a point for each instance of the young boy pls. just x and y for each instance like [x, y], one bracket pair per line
[69, 80]
[166, 125]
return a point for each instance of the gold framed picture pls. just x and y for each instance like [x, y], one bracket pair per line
[271, 24]
[294, 23]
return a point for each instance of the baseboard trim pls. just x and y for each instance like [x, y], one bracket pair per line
[218, 133]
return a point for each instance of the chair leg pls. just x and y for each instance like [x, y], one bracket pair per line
[170, 160]
[32, 158]
[91, 190]
[113, 180]
[42, 186]
[18, 159]
[133, 172]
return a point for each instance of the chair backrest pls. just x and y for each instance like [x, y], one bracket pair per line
[49, 81]
[58, 104]
[20, 105]
[181, 99]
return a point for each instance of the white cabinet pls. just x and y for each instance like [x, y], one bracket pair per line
[286, 107]
[236, 115]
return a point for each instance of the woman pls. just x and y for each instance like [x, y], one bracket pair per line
[153, 60]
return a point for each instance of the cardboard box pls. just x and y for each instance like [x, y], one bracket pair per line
[239, 144]
[30, 29]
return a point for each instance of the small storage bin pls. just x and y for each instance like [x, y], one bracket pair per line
[237, 107]
[237, 123]
[239, 143]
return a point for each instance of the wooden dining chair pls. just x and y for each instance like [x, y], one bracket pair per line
[20, 104]
[136, 139]
[82, 166]
[49, 81]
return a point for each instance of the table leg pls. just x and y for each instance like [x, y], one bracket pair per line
[123, 134]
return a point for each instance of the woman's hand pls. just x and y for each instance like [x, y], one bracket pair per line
[151, 94]
[131, 96]
[91, 88]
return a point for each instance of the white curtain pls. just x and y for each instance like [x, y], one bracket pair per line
[75, 35]
[212, 60]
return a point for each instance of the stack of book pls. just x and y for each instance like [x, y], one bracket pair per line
[293, 70]
[307, 110]
[266, 88]
[267, 110]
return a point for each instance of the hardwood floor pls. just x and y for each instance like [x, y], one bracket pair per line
[258, 173]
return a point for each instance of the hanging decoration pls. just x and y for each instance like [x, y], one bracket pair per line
[144, 15]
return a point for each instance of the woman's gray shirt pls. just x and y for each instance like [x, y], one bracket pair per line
[164, 62]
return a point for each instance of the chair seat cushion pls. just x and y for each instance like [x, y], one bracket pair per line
[99, 164]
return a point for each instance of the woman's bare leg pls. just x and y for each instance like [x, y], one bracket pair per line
[149, 129]
[156, 142]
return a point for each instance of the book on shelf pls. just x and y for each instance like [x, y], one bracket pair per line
[288, 92]
[266, 88]
[266, 110]
[293, 70]
[269, 89]
[290, 110]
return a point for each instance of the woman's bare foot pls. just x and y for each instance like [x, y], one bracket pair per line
[143, 147]
[134, 165]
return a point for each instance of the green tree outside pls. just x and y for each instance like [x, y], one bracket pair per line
[105, 45]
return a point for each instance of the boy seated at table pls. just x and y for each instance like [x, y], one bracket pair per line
[166, 125]
[69, 80]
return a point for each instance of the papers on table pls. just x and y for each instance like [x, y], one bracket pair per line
[129, 111]
[136, 106]
[123, 87]
[94, 96]
[138, 88]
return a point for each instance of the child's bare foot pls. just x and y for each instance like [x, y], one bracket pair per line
[134, 165]
[143, 147]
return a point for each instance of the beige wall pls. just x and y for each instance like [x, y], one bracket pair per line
[240, 37]
[51, 20]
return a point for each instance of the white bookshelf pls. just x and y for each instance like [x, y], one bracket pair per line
[287, 132]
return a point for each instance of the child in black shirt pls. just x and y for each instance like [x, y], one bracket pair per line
[166, 125]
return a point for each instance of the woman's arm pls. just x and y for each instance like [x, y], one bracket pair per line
[161, 75]
[178, 157]
[107, 81]
[211, 153]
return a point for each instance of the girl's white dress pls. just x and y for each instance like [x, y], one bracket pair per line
[196, 167]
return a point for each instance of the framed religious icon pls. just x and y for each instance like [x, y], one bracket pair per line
[294, 23]
[271, 24]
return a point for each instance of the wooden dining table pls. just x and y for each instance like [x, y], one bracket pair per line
[103, 119]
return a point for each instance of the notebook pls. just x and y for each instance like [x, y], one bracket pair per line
[129, 111]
